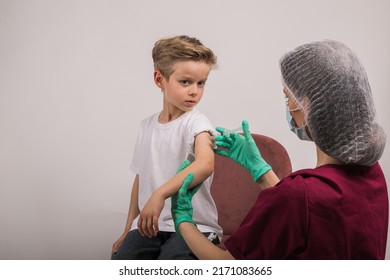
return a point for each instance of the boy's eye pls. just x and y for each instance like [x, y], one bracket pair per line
[202, 84]
[185, 82]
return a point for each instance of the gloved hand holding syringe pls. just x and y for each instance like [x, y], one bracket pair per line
[242, 149]
[226, 132]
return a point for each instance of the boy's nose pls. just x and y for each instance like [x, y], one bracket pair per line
[193, 91]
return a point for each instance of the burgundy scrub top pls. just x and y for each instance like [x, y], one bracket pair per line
[330, 212]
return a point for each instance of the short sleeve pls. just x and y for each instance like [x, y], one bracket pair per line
[141, 149]
[197, 124]
[134, 165]
[200, 123]
[276, 226]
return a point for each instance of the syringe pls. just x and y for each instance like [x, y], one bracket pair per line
[227, 132]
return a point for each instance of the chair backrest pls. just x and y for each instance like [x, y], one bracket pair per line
[233, 189]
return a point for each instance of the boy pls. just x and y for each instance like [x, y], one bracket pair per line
[182, 65]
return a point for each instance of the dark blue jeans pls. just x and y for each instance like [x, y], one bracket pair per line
[165, 246]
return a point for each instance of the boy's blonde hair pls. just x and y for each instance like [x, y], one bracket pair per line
[167, 52]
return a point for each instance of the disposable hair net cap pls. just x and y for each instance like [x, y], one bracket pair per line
[331, 86]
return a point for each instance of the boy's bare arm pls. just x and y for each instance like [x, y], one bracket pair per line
[133, 212]
[202, 168]
[133, 208]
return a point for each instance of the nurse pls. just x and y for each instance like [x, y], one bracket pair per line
[336, 210]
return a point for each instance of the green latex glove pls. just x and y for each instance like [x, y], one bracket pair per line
[243, 150]
[181, 208]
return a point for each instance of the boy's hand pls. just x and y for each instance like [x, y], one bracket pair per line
[148, 217]
[118, 243]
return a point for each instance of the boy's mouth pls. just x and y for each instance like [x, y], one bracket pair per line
[190, 102]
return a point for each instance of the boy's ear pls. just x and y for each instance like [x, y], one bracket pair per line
[158, 79]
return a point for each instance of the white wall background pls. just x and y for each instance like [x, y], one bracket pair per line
[76, 80]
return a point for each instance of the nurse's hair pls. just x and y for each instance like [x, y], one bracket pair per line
[168, 51]
[331, 86]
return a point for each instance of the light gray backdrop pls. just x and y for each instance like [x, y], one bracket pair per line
[76, 80]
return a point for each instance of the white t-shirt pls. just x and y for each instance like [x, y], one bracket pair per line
[160, 150]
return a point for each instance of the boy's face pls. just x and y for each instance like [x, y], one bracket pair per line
[184, 88]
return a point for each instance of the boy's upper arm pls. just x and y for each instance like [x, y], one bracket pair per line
[135, 192]
[203, 146]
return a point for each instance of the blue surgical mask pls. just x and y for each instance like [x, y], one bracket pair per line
[299, 131]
